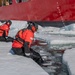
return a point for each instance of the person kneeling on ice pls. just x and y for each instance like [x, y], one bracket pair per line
[4, 30]
[22, 43]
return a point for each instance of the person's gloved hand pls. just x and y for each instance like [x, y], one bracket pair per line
[9, 39]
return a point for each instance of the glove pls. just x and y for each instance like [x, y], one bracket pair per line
[9, 39]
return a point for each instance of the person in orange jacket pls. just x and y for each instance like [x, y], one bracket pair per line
[4, 30]
[23, 40]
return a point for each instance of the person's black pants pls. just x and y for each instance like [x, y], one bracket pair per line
[18, 51]
[34, 55]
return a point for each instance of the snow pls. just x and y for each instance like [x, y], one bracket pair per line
[17, 65]
[65, 30]
[56, 41]
[57, 38]
[70, 27]
[69, 60]
[14, 64]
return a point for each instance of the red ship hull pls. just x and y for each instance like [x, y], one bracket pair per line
[40, 10]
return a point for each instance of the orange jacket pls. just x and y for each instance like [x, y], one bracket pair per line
[5, 28]
[27, 36]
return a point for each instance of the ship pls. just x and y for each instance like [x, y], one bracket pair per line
[38, 10]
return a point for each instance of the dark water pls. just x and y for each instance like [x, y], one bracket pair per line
[52, 61]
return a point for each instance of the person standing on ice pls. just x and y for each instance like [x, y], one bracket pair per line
[4, 30]
[22, 43]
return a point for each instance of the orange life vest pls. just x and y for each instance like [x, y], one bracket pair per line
[22, 36]
[4, 30]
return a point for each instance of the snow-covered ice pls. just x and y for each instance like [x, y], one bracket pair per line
[63, 38]
[57, 38]
[14, 64]
[17, 65]
[69, 60]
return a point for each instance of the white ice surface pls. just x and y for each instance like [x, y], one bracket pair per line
[17, 65]
[65, 30]
[69, 60]
[57, 39]
[63, 38]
